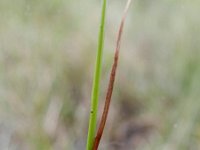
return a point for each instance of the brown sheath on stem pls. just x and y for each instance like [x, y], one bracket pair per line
[111, 82]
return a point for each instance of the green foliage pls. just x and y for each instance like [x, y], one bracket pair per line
[96, 81]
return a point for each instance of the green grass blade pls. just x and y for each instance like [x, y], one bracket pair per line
[96, 81]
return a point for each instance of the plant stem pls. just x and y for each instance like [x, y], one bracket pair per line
[111, 82]
[96, 81]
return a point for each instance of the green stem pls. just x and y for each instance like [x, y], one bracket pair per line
[96, 81]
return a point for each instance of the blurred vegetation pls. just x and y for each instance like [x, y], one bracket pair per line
[47, 53]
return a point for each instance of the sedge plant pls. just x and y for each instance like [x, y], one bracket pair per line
[111, 81]
[93, 141]
[96, 81]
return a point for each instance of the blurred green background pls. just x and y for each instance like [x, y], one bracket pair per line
[47, 55]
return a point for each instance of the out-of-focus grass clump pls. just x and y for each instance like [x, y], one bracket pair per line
[47, 53]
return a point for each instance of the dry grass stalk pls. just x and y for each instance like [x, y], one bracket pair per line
[111, 81]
